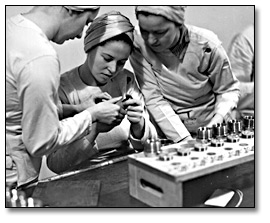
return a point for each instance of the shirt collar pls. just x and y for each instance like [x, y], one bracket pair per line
[180, 48]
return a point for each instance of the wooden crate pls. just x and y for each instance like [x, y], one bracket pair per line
[167, 184]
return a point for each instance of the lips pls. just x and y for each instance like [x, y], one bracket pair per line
[155, 45]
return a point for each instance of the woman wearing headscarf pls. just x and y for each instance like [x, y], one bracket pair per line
[183, 72]
[101, 79]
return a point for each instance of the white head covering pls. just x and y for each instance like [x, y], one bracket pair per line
[107, 26]
[173, 13]
[81, 8]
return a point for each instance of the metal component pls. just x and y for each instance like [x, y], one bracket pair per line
[200, 147]
[248, 123]
[165, 156]
[233, 138]
[217, 142]
[219, 130]
[247, 134]
[204, 133]
[184, 150]
[152, 147]
[234, 127]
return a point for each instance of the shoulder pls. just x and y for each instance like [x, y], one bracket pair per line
[25, 36]
[201, 35]
[69, 78]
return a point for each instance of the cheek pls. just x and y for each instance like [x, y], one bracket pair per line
[98, 65]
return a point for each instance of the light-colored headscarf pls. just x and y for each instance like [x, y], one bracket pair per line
[81, 8]
[106, 27]
[173, 13]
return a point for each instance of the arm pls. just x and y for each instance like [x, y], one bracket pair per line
[78, 151]
[158, 107]
[43, 133]
[69, 109]
[225, 85]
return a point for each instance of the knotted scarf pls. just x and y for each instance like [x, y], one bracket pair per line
[105, 27]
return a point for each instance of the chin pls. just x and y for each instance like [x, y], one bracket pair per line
[158, 49]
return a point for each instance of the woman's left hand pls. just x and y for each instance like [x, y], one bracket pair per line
[216, 119]
[134, 110]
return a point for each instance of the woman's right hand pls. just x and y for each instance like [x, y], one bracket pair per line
[107, 112]
[94, 99]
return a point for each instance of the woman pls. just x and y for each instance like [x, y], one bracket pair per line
[108, 44]
[183, 72]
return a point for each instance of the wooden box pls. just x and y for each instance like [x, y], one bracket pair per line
[188, 181]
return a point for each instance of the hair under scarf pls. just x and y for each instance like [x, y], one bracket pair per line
[173, 13]
[106, 27]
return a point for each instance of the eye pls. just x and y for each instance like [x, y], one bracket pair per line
[107, 58]
[143, 32]
[160, 32]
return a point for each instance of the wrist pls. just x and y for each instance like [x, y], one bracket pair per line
[137, 129]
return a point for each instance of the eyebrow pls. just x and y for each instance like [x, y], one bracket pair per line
[106, 54]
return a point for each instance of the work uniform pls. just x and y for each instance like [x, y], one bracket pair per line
[33, 128]
[186, 86]
[74, 91]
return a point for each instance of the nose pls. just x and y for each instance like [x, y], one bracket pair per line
[151, 39]
[112, 66]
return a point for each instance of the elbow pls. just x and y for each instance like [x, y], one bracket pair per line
[39, 148]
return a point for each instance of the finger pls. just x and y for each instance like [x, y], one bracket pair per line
[122, 111]
[120, 116]
[106, 96]
[132, 102]
[115, 100]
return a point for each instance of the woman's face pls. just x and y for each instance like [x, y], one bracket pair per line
[106, 61]
[158, 33]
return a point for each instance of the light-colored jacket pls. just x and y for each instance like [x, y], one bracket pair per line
[33, 128]
[184, 92]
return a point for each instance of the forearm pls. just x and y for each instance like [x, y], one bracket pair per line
[160, 110]
[71, 110]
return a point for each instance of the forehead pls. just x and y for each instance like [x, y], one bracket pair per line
[117, 49]
[153, 22]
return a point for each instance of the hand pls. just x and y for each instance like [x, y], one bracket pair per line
[216, 119]
[95, 99]
[134, 110]
[108, 112]
[135, 116]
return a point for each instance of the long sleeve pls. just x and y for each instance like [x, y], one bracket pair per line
[225, 84]
[37, 91]
[159, 108]
[132, 89]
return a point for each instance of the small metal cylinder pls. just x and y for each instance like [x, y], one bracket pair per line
[248, 123]
[152, 147]
[219, 130]
[204, 133]
[234, 126]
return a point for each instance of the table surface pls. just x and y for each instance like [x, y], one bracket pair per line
[114, 186]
